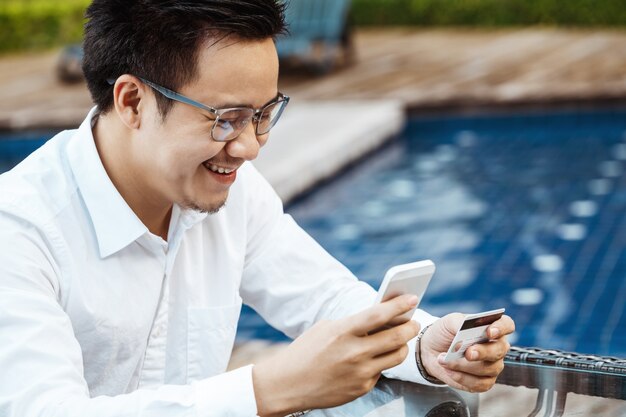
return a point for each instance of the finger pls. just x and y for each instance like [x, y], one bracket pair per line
[490, 351]
[395, 321]
[501, 327]
[476, 368]
[380, 314]
[467, 382]
[452, 322]
[393, 338]
[390, 359]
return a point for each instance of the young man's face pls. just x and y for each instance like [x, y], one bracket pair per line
[177, 154]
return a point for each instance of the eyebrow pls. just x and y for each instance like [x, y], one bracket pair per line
[248, 105]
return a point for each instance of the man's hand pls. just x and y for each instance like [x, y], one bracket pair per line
[478, 370]
[334, 361]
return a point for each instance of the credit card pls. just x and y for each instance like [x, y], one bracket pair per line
[472, 331]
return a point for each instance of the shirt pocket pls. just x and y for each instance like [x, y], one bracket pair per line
[210, 338]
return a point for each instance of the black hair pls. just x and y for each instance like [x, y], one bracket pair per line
[159, 39]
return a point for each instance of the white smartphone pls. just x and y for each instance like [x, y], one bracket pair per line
[473, 330]
[410, 278]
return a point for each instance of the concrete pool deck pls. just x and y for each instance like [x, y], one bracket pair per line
[317, 139]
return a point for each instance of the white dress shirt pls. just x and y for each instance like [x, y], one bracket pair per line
[99, 317]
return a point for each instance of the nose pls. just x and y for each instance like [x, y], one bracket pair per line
[246, 145]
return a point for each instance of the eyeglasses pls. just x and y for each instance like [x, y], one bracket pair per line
[230, 123]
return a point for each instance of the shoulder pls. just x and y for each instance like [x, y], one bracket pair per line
[41, 185]
[38, 199]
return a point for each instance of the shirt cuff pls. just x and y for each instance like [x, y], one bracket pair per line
[230, 394]
[407, 370]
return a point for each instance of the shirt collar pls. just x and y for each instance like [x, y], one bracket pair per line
[114, 222]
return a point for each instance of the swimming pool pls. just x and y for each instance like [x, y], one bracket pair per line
[16, 146]
[523, 211]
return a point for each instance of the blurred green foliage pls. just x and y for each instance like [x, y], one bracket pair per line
[489, 12]
[37, 24]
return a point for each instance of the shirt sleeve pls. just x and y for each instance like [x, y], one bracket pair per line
[288, 278]
[293, 282]
[41, 360]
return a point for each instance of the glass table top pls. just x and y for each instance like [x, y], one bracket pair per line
[534, 383]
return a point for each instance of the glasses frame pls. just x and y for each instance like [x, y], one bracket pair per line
[255, 117]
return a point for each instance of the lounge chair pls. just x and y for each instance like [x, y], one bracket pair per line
[320, 35]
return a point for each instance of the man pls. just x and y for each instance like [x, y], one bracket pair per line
[129, 245]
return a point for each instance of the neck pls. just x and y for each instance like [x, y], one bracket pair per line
[113, 141]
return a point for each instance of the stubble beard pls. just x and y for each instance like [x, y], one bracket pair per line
[202, 208]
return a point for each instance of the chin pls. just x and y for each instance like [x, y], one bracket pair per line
[204, 206]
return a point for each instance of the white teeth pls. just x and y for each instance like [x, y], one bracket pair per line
[217, 169]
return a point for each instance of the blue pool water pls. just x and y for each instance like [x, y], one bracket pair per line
[523, 211]
[16, 146]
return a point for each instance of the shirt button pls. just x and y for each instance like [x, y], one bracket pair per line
[158, 332]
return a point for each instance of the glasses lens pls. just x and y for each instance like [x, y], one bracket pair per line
[230, 124]
[269, 116]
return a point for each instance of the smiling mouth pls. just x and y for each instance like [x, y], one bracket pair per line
[218, 169]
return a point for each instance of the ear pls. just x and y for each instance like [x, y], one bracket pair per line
[130, 97]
